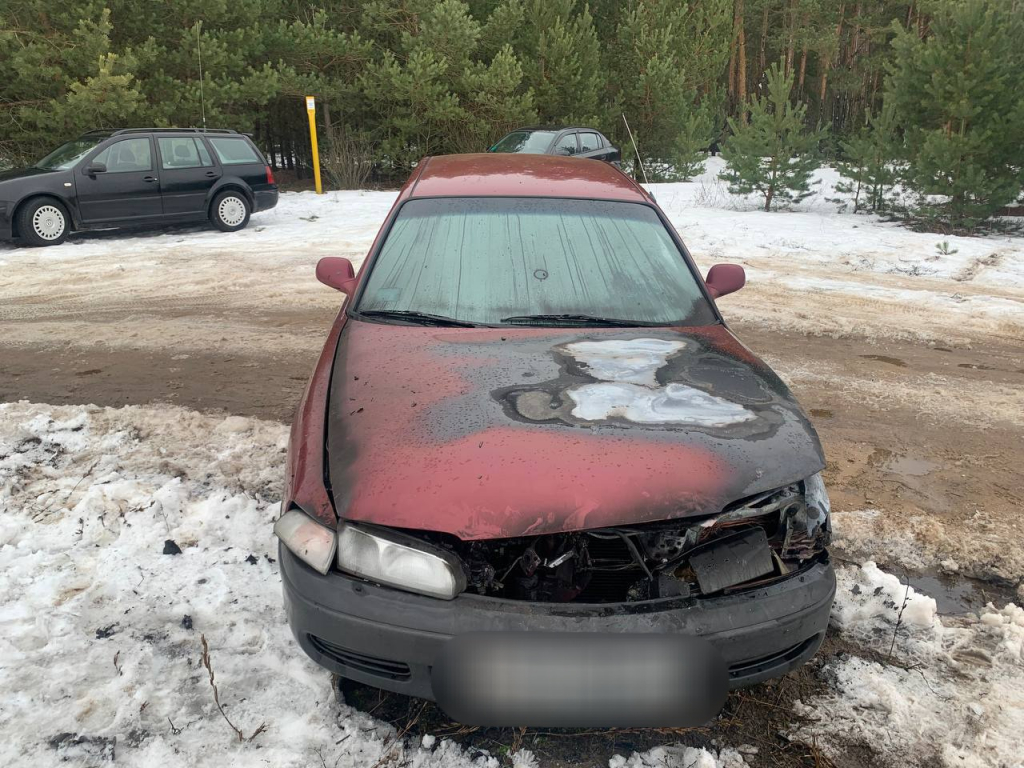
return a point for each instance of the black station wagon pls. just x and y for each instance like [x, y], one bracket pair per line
[136, 176]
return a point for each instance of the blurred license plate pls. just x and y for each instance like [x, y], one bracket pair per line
[575, 680]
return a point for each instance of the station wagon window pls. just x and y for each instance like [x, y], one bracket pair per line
[176, 152]
[482, 260]
[127, 156]
[589, 142]
[566, 145]
[234, 151]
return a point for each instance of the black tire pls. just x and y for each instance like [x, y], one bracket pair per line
[230, 211]
[43, 221]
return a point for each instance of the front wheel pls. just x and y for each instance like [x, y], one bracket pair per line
[43, 222]
[229, 211]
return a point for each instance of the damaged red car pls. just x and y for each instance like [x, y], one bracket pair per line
[530, 416]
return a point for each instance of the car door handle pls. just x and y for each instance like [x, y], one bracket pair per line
[149, 178]
[211, 174]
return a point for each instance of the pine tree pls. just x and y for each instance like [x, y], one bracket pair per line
[870, 159]
[664, 57]
[772, 154]
[959, 94]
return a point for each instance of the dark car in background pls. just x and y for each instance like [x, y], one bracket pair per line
[530, 417]
[570, 142]
[137, 176]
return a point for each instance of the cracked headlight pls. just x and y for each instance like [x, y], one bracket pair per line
[312, 542]
[397, 560]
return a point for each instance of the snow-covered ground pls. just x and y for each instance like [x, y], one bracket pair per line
[102, 621]
[812, 269]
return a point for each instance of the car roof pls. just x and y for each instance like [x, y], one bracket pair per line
[521, 175]
[555, 128]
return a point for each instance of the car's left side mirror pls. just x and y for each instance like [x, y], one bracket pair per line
[336, 272]
[725, 278]
[613, 155]
[94, 168]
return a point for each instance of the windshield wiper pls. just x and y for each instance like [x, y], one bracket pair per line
[412, 316]
[571, 319]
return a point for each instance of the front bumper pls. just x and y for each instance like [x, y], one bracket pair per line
[389, 639]
[6, 220]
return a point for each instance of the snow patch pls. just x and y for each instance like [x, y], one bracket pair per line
[951, 692]
[634, 361]
[672, 404]
[678, 756]
[629, 388]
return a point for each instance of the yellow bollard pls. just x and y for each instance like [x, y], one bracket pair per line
[311, 111]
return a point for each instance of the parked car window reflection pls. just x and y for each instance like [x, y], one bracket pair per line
[67, 155]
[567, 145]
[234, 151]
[128, 156]
[525, 142]
[182, 153]
[589, 142]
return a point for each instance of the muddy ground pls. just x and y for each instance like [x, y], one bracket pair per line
[923, 438]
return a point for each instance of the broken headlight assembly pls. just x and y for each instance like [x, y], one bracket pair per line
[396, 560]
[773, 535]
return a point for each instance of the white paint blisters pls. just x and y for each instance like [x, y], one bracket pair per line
[629, 389]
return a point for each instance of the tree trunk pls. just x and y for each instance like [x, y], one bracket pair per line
[762, 62]
[732, 64]
[791, 42]
[741, 63]
[803, 72]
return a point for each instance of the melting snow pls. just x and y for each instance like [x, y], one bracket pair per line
[951, 692]
[672, 404]
[635, 361]
[630, 367]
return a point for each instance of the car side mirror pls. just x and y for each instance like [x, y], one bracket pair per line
[723, 279]
[336, 272]
[95, 168]
[613, 155]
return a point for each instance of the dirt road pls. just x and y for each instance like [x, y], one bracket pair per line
[930, 435]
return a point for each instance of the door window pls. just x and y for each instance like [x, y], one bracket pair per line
[567, 145]
[182, 153]
[127, 156]
[234, 151]
[589, 142]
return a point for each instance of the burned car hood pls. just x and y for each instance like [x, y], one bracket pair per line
[498, 432]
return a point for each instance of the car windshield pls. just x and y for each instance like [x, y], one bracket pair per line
[533, 261]
[527, 142]
[66, 155]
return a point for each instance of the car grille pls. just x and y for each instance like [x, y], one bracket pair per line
[361, 662]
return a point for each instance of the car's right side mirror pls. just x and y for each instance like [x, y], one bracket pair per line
[94, 168]
[725, 278]
[613, 155]
[337, 273]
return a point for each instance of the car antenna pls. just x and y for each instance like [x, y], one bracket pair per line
[199, 52]
[637, 151]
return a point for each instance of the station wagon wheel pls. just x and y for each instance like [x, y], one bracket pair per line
[43, 222]
[229, 211]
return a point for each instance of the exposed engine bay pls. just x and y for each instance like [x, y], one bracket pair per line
[753, 542]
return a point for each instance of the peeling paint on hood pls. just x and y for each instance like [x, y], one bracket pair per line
[499, 432]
